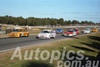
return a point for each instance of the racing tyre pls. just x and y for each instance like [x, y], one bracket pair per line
[37, 37]
[27, 35]
[53, 37]
[20, 35]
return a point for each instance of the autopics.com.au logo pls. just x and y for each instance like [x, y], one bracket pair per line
[70, 58]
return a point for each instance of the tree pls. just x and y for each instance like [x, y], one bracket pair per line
[75, 22]
[69, 22]
[32, 21]
[61, 21]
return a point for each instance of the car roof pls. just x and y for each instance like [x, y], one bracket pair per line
[47, 30]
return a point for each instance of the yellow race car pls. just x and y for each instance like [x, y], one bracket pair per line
[94, 30]
[19, 33]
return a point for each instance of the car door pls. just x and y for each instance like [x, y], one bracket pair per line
[74, 32]
[53, 34]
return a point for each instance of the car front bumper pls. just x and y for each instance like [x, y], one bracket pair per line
[68, 34]
[43, 37]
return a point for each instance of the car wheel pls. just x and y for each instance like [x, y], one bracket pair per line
[37, 37]
[54, 37]
[49, 38]
[27, 35]
[20, 35]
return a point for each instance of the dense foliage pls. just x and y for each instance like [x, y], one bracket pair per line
[32, 21]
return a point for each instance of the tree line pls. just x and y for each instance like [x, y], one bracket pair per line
[32, 21]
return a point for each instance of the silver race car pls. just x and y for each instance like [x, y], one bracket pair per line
[46, 34]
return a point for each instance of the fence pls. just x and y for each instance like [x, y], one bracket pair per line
[2, 32]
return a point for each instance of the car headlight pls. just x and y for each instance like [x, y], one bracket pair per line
[39, 35]
[47, 35]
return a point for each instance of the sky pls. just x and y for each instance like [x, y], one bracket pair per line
[67, 9]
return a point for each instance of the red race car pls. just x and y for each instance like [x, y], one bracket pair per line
[70, 32]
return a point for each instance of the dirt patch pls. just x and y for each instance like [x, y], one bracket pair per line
[4, 35]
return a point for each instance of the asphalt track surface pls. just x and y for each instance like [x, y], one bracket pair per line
[12, 43]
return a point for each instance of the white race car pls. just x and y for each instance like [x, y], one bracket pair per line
[87, 30]
[46, 34]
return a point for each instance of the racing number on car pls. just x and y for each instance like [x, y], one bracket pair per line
[22, 33]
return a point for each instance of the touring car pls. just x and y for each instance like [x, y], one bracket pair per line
[70, 32]
[59, 30]
[46, 34]
[87, 30]
[94, 30]
[19, 33]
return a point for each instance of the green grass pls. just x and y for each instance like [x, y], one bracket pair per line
[89, 43]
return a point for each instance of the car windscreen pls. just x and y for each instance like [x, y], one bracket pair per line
[58, 29]
[17, 30]
[45, 31]
[94, 29]
[87, 29]
[70, 30]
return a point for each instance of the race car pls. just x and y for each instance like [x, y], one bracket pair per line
[87, 30]
[70, 32]
[94, 30]
[77, 31]
[19, 33]
[59, 30]
[46, 34]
